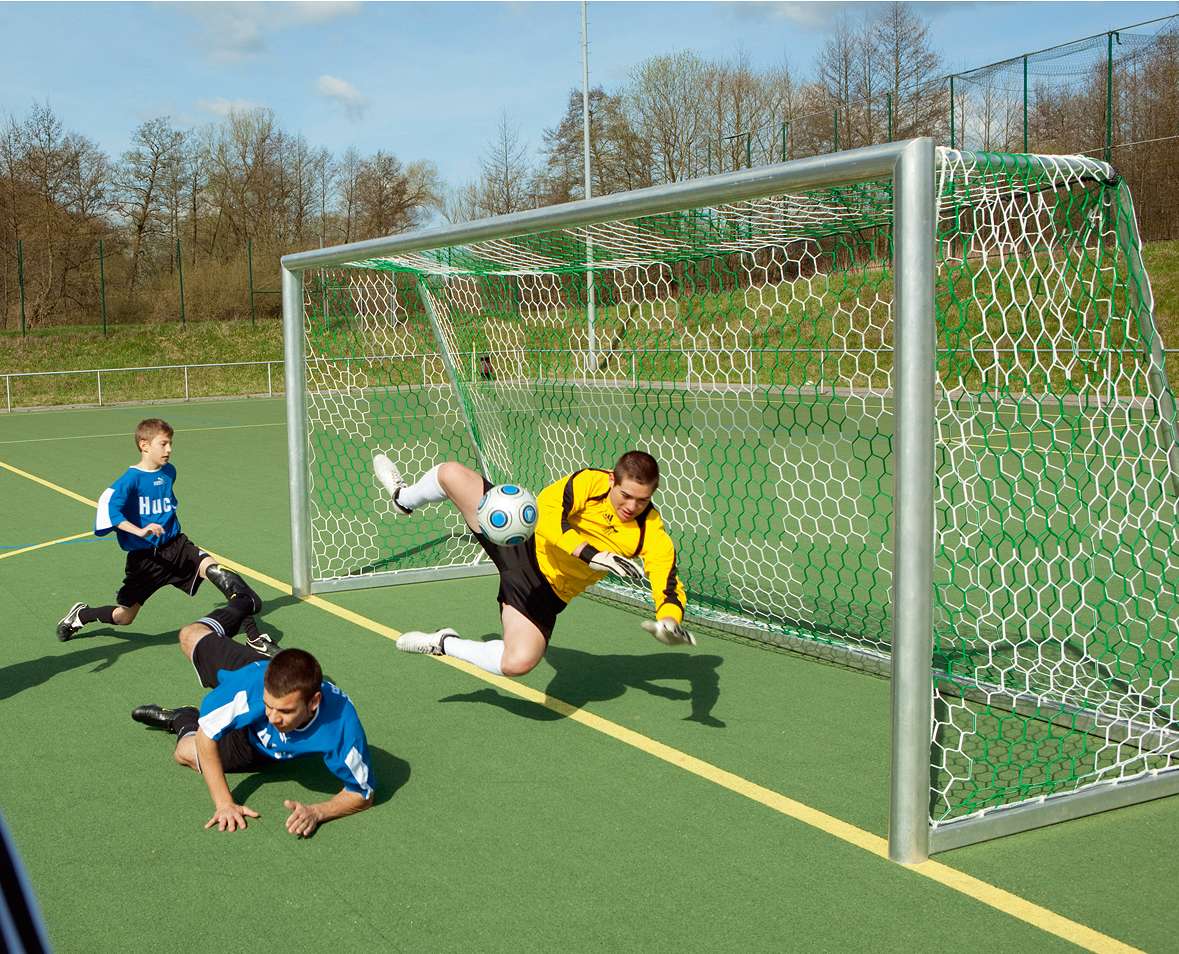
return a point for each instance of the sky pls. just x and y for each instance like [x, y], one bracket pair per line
[431, 80]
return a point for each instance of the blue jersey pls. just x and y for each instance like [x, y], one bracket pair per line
[334, 732]
[141, 497]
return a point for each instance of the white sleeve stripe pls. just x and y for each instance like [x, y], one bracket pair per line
[359, 769]
[102, 516]
[215, 722]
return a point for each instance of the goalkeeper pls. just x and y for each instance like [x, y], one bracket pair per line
[590, 523]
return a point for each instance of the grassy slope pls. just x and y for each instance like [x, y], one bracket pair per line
[84, 347]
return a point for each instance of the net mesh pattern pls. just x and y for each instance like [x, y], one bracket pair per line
[749, 347]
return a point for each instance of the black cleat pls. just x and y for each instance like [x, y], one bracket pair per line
[68, 625]
[155, 716]
[262, 643]
[236, 590]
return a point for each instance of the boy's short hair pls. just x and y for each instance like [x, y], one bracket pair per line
[149, 428]
[639, 466]
[293, 670]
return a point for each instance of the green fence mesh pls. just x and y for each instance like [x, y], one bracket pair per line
[748, 346]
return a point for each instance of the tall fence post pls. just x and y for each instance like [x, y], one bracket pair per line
[102, 285]
[20, 280]
[1109, 40]
[952, 140]
[1025, 104]
[888, 99]
[785, 126]
[837, 130]
[749, 150]
[250, 275]
[180, 272]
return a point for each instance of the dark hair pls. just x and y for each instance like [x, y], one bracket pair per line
[147, 430]
[293, 670]
[639, 466]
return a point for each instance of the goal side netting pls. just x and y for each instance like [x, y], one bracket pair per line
[749, 346]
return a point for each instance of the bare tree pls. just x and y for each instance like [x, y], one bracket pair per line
[391, 198]
[505, 182]
[665, 101]
[910, 67]
[140, 183]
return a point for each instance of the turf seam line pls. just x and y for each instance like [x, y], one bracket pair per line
[985, 893]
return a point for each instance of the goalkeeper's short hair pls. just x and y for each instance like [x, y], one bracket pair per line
[639, 466]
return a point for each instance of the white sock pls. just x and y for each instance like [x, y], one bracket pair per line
[425, 490]
[487, 655]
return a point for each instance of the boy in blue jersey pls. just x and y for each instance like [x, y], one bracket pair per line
[262, 711]
[141, 508]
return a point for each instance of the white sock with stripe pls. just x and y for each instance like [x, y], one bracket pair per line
[425, 490]
[488, 656]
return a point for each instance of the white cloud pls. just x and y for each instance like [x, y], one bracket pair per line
[239, 31]
[343, 94]
[223, 107]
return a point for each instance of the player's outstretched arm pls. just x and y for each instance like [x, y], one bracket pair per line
[304, 819]
[229, 816]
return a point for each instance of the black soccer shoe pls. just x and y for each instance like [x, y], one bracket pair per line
[68, 625]
[262, 643]
[155, 716]
[236, 590]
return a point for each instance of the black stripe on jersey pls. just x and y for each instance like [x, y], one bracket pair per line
[641, 520]
[599, 496]
[567, 502]
[669, 593]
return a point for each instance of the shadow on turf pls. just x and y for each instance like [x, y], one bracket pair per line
[33, 672]
[582, 678]
[389, 771]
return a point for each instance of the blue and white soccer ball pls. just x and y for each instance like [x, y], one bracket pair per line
[507, 514]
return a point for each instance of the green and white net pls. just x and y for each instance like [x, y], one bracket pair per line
[749, 347]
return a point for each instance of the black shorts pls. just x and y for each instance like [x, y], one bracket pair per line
[213, 654]
[217, 651]
[177, 562]
[521, 583]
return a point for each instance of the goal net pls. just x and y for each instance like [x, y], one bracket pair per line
[749, 346]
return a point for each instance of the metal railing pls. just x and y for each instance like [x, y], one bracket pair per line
[185, 370]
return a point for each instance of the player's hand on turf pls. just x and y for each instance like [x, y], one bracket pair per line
[231, 817]
[619, 565]
[669, 632]
[303, 819]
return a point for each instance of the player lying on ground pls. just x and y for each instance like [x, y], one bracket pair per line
[262, 711]
[140, 507]
[590, 523]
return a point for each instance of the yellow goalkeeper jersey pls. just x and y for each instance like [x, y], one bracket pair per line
[577, 510]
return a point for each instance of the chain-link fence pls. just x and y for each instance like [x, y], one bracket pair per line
[103, 281]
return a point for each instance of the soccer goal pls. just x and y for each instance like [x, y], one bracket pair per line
[911, 411]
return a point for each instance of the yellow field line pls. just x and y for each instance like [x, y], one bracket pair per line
[1011, 904]
[42, 546]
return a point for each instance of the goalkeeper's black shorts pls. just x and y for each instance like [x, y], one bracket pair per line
[522, 585]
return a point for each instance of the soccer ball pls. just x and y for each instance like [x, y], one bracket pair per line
[507, 514]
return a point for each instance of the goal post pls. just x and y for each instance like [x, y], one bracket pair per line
[911, 412]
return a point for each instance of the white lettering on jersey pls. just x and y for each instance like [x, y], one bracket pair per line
[264, 735]
[144, 507]
[167, 505]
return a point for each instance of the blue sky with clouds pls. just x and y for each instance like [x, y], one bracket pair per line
[429, 80]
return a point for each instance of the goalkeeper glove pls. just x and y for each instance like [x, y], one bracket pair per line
[669, 632]
[604, 560]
